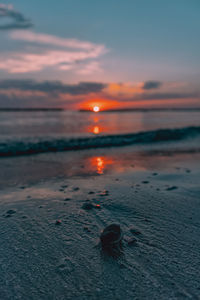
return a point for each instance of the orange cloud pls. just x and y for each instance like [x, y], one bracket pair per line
[124, 89]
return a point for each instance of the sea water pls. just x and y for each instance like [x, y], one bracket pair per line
[34, 131]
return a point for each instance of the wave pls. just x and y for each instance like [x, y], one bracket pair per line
[41, 145]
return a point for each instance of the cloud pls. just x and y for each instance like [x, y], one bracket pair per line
[148, 85]
[90, 68]
[58, 53]
[135, 91]
[56, 87]
[165, 96]
[31, 93]
[32, 62]
[158, 96]
[47, 39]
[16, 19]
[84, 88]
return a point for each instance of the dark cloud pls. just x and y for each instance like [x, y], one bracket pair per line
[16, 19]
[165, 96]
[55, 87]
[148, 85]
[162, 96]
[30, 93]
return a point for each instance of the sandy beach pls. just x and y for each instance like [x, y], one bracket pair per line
[50, 240]
[99, 150]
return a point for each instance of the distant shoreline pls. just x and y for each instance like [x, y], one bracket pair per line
[177, 109]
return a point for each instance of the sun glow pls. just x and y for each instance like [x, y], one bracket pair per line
[96, 108]
[98, 105]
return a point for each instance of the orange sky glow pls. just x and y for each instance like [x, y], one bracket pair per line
[102, 104]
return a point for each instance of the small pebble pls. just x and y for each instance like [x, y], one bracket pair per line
[86, 229]
[131, 241]
[11, 212]
[146, 220]
[104, 193]
[171, 188]
[58, 222]
[135, 231]
[98, 206]
[67, 199]
[76, 189]
[87, 206]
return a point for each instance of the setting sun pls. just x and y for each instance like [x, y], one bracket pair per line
[96, 108]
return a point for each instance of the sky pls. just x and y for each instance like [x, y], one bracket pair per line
[75, 54]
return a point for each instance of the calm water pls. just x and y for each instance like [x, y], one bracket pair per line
[22, 124]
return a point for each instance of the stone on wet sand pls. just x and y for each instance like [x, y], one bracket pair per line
[11, 212]
[87, 206]
[131, 241]
[135, 231]
[76, 189]
[58, 222]
[67, 199]
[171, 188]
[98, 206]
[104, 193]
[111, 236]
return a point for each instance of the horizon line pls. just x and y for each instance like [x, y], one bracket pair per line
[102, 111]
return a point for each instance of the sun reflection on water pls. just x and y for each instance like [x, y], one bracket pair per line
[96, 130]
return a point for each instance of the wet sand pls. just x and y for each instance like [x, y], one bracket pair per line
[50, 239]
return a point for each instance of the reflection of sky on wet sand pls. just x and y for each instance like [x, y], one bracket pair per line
[99, 162]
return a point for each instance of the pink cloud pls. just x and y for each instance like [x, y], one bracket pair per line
[89, 68]
[68, 54]
[47, 39]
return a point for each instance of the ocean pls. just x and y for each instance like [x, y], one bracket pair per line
[24, 132]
